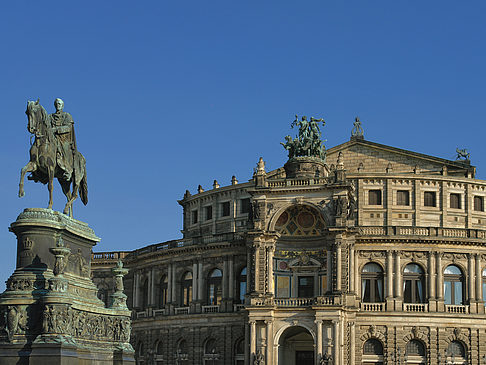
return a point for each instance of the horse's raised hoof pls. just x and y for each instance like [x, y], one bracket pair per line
[21, 193]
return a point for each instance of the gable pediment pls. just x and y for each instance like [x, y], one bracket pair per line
[370, 157]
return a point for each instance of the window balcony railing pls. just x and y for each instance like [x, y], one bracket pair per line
[210, 308]
[416, 307]
[454, 308]
[293, 302]
[143, 314]
[181, 310]
[159, 312]
[372, 307]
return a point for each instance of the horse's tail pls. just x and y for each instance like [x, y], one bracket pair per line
[83, 189]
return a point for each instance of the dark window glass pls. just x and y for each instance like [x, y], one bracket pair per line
[145, 294]
[225, 209]
[214, 287]
[242, 286]
[306, 286]
[429, 199]
[374, 197]
[186, 291]
[209, 213]
[413, 284]
[453, 285]
[163, 287]
[373, 347]
[245, 205]
[479, 204]
[455, 200]
[194, 216]
[372, 283]
[403, 197]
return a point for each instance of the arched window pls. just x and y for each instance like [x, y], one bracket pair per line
[240, 352]
[415, 353]
[453, 285]
[182, 352]
[145, 294]
[372, 352]
[140, 354]
[163, 291]
[186, 289]
[242, 286]
[211, 355]
[372, 283]
[159, 353]
[413, 284]
[456, 353]
[214, 287]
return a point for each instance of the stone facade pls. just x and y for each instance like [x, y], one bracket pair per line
[378, 258]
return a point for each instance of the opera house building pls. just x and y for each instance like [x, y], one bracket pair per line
[357, 254]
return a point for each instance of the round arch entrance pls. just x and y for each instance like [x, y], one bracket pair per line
[296, 347]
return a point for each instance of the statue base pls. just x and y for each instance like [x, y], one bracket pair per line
[306, 167]
[50, 312]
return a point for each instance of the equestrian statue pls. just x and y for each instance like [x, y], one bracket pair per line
[54, 154]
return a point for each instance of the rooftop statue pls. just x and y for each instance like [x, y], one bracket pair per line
[462, 153]
[54, 154]
[308, 143]
[357, 130]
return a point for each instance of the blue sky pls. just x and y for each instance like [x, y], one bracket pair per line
[169, 95]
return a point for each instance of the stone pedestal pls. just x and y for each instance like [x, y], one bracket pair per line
[50, 313]
[306, 167]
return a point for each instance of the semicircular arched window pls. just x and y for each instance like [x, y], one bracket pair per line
[456, 352]
[415, 353]
[372, 283]
[300, 220]
[215, 292]
[413, 284]
[453, 285]
[373, 352]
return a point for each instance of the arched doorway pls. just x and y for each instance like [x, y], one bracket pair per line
[296, 347]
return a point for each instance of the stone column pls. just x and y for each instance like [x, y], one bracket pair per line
[152, 288]
[174, 287]
[169, 283]
[470, 279]
[319, 353]
[270, 279]
[136, 289]
[231, 276]
[225, 278]
[200, 290]
[269, 356]
[351, 270]
[479, 279]
[352, 345]
[389, 274]
[338, 267]
[252, 339]
[195, 292]
[479, 285]
[329, 271]
[335, 341]
[440, 282]
[431, 283]
[398, 283]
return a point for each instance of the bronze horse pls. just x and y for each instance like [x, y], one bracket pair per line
[43, 160]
